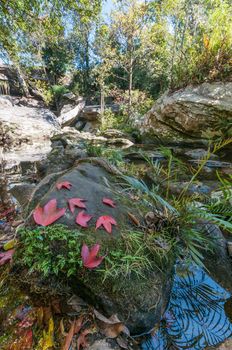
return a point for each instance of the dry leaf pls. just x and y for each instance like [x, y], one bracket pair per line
[69, 337]
[110, 327]
[134, 219]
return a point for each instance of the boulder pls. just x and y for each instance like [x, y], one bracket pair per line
[139, 302]
[189, 112]
[6, 102]
[70, 113]
[218, 262]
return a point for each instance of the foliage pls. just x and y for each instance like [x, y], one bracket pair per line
[113, 155]
[51, 250]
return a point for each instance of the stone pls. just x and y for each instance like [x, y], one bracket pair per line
[6, 102]
[218, 262]
[138, 303]
[109, 133]
[80, 125]
[200, 153]
[22, 193]
[103, 344]
[229, 247]
[70, 114]
[189, 112]
[213, 163]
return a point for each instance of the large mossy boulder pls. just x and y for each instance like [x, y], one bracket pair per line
[194, 112]
[138, 296]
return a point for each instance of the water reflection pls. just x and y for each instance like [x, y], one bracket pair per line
[195, 317]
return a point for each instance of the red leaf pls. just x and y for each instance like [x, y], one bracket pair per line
[76, 202]
[109, 202]
[64, 184]
[106, 222]
[89, 257]
[48, 214]
[6, 256]
[82, 219]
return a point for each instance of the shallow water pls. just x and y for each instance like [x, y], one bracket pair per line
[195, 316]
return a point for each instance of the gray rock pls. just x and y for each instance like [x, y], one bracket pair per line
[22, 193]
[218, 262]
[213, 163]
[80, 125]
[139, 303]
[6, 102]
[70, 114]
[102, 345]
[199, 153]
[189, 112]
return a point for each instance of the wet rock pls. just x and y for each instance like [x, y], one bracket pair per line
[152, 155]
[213, 163]
[218, 262]
[200, 187]
[189, 112]
[199, 153]
[22, 193]
[137, 303]
[229, 247]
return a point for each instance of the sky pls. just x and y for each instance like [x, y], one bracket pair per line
[106, 8]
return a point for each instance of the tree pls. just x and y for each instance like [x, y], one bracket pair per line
[26, 28]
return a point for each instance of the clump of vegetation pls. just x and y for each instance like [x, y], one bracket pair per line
[51, 250]
[113, 155]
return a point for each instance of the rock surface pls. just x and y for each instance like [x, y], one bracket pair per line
[70, 113]
[138, 304]
[32, 124]
[189, 112]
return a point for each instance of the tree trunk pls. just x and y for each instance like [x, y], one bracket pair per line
[102, 102]
[130, 86]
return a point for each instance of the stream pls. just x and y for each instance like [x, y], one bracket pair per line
[195, 318]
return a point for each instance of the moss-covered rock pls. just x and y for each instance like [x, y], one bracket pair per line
[128, 282]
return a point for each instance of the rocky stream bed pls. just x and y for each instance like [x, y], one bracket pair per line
[183, 308]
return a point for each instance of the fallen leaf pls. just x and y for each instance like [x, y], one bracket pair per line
[78, 325]
[69, 337]
[109, 202]
[89, 257]
[75, 328]
[82, 219]
[76, 202]
[134, 219]
[47, 341]
[110, 327]
[64, 184]
[106, 222]
[48, 214]
[6, 257]
[10, 245]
